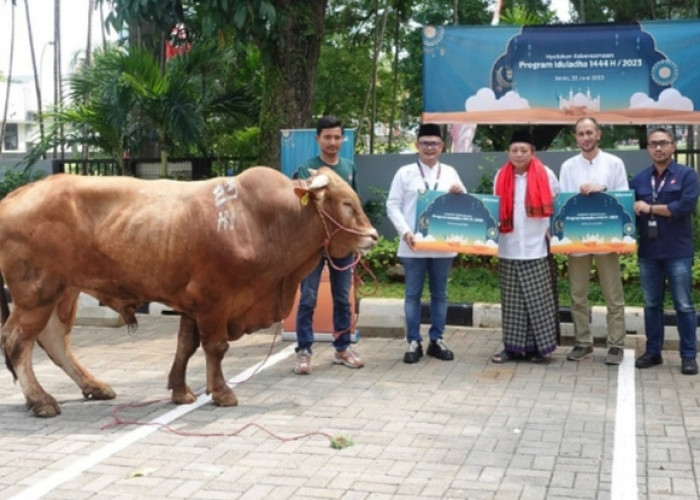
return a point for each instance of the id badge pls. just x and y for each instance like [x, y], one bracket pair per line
[652, 229]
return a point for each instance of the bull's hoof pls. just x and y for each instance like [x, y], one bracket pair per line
[47, 408]
[185, 397]
[225, 399]
[99, 392]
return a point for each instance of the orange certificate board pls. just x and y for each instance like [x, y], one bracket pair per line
[323, 314]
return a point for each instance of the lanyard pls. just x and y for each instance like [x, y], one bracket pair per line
[655, 192]
[437, 179]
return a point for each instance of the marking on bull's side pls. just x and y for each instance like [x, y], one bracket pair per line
[226, 191]
[226, 220]
[223, 193]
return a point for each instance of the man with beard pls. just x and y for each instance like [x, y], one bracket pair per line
[594, 171]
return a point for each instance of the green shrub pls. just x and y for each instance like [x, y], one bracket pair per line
[383, 255]
[12, 179]
[375, 208]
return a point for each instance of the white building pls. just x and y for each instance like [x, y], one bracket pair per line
[22, 126]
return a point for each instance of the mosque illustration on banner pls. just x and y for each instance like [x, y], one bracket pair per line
[579, 103]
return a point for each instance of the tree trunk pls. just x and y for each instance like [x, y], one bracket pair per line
[9, 82]
[103, 27]
[371, 90]
[394, 82]
[57, 90]
[289, 74]
[37, 83]
[375, 64]
[88, 57]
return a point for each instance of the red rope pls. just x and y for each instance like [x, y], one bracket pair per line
[118, 420]
[123, 421]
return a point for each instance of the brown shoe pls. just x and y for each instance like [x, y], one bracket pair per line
[615, 356]
[579, 352]
[348, 358]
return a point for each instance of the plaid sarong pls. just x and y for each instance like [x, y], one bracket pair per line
[528, 308]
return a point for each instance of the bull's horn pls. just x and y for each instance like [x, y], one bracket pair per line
[318, 182]
[312, 171]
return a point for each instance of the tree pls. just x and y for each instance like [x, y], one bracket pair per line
[287, 33]
[293, 50]
[591, 11]
[123, 100]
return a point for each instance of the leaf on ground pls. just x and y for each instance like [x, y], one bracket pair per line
[340, 442]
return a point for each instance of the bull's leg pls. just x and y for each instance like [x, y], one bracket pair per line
[18, 337]
[215, 344]
[187, 343]
[55, 340]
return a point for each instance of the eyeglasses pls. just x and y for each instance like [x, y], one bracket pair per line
[429, 144]
[656, 144]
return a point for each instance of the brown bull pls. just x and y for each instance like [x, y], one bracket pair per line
[227, 253]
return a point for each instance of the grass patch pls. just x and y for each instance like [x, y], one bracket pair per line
[467, 285]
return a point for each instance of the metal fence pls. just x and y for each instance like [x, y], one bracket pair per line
[151, 168]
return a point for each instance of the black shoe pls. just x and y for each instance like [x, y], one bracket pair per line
[414, 353]
[689, 366]
[647, 360]
[438, 349]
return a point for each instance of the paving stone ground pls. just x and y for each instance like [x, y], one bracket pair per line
[466, 429]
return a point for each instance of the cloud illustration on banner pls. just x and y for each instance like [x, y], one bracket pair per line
[485, 100]
[668, 99]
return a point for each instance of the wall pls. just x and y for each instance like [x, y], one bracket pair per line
[377, 171]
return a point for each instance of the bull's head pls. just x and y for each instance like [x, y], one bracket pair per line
[347, 228]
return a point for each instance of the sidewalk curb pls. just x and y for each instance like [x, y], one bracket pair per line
[383, 317]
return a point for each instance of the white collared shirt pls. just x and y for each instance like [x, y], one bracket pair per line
[605, 169]
[403, 197]
[527, 240]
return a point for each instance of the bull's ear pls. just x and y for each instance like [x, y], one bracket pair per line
[311, 188]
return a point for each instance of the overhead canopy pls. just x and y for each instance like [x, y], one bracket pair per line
[636, 73]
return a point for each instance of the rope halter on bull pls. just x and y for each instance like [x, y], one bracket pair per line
[325, 216]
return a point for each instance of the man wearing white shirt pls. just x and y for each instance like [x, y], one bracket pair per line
[425, 174]
[594, 171]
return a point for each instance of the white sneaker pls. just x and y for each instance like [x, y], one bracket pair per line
[303, 364]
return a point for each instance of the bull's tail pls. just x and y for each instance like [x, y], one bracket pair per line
[4, 306]
[4, 314]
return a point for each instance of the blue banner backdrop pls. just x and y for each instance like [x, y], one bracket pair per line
[298, 145]
[636, 73]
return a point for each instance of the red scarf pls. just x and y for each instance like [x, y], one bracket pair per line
[538, 196]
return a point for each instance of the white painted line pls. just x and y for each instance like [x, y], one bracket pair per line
[624, 468]
[75, 469]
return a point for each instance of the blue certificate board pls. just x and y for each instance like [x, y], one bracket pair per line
[462, 223]
[595, 223]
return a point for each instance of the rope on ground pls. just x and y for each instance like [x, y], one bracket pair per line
[337, 442]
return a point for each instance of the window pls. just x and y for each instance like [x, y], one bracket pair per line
[11, 137]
